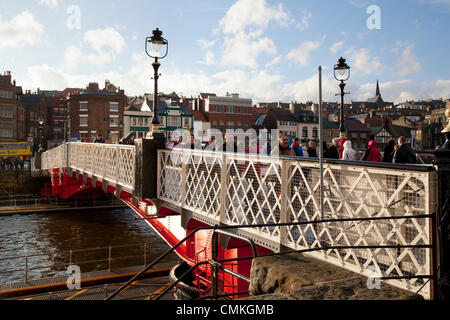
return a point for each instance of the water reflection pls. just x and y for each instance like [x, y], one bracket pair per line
[51, 233]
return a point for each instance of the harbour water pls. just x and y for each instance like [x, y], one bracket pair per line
[52, 235]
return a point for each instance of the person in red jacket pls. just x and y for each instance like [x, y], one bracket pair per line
[372, 153]
[341, 147]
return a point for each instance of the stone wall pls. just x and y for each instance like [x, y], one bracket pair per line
[296, 277]
[20, 182]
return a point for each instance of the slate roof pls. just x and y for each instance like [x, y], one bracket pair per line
[398, 131]
[31, 100]
[355, 125]
[284, 117]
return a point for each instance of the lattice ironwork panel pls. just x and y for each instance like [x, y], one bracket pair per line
[126, 164]
[363, 192]
[203, 183]
[169, 176]
[253, 194]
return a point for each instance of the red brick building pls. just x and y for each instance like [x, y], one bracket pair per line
[357, 133]
[94, 111]
[229, 112]
[12, 112]
[36, 110]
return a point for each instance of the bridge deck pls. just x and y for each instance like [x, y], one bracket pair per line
[95, 285]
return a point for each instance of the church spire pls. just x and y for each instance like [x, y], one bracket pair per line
[377, 93]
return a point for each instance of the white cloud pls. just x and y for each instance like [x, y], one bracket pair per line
[205, 44]
[302, 53]
[210, 58]
[49, 3]
[22, 30]
[304, 22]
[106, 43]
[108, 38]
[255, 13]
[336, 46]
[275, 61]
[362, 61]
[242, 50]
[407, 63]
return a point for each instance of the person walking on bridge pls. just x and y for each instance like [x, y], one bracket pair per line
[349, 153]
[284, 146]
[372, 153]
[389, 150]
[404, 153]
[297, 147]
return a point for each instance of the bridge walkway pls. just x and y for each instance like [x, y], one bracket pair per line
[95, 285]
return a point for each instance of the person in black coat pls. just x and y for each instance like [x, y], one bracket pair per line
[389, 152]
[333, 151]
[404, 153]
[312, 152]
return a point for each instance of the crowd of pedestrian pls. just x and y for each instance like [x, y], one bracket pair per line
[341, 148]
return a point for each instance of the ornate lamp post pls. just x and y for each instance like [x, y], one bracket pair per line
[342, 74]
[159, 48]
[42, 144]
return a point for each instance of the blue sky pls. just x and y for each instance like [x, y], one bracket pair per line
[267, 50]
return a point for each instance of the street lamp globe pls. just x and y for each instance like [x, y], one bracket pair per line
[341, 70]
[342, 74]
[159, 47]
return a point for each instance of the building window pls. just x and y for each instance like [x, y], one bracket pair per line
[84, 106]
[6, 94]
[239, 126]
[363, 135]
[245, 126]
[173, 122]
[230, 125]
[315, 132]
[114, 121]
[354, 135]
[187, 122]
[113, 107]
[222, 126]
[214, 124]
[84, 121]
[33, 116]
[5, 112]
[231, 109]
[330, 133]
[6, 133]
[305, 132]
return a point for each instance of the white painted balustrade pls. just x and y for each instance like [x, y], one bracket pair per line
[235, 189]
[114, 164]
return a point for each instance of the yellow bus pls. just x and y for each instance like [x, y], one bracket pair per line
[14, 149]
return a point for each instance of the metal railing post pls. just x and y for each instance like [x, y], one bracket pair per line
[145, 254]
[285, 195]
[26, 269]
[109, 259]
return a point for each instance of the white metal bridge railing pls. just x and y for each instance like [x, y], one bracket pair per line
[114, 164]
[237, 189]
